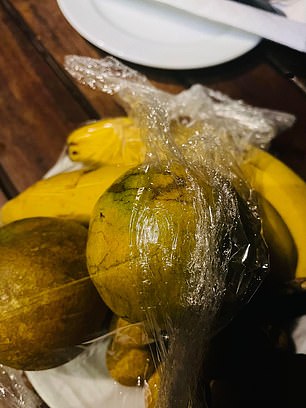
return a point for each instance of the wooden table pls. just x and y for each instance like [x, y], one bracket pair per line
[40, 104]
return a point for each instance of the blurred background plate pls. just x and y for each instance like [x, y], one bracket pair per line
[155, 35]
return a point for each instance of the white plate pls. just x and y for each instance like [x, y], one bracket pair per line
[155, 35]
[84, 383]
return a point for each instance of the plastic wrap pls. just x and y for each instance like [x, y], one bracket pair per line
[176, 243]
[245, 123]
[15, 391]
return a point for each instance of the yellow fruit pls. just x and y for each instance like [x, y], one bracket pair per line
[117, 274]
[282, 249]
[129, 335]
[66, 195]
[48, 303]
[109, 148]
[128, 357]
[156, 277]
[113, 141]
[129, 366]
[285, 191]
[151, 390]
[151, 260]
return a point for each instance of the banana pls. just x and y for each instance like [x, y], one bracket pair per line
[113, 141]
[69, 195]
[285, 191]
[282, 249]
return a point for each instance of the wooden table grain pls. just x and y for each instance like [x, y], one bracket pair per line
[40, 104]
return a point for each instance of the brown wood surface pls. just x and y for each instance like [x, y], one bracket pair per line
[3, 198]
[36, 109]
[40, 104]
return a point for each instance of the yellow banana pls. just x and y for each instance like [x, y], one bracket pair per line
[66, 195]
[282, 249]
[285, 191]
[113, 141]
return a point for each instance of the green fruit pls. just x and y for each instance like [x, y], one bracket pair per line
[146, 255]
[169, 246]
[116, 272]
[48, 303]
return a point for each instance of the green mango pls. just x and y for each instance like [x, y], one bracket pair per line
[48, 303]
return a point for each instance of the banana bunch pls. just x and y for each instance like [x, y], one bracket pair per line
[109, 148]
[285, 192]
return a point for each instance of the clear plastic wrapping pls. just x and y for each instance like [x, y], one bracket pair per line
[15, 391]
[245, 123]
[176, 243]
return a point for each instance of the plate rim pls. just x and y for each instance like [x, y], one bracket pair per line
[141, 60]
